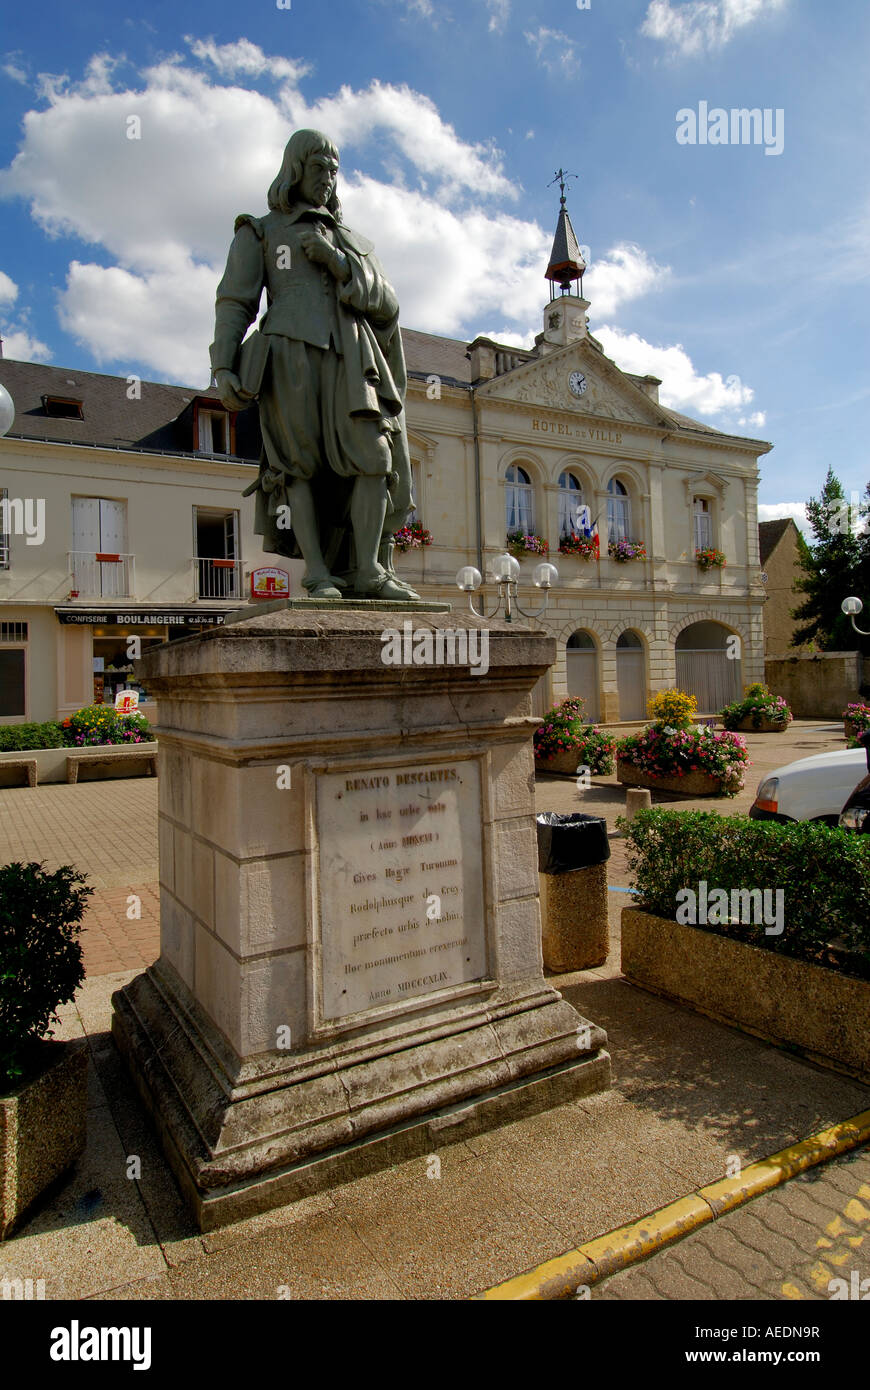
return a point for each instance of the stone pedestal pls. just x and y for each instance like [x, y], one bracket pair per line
[350, 969]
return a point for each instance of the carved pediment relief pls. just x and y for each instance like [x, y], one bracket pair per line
[545, 383]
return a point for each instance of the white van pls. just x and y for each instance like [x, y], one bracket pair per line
[815, 788]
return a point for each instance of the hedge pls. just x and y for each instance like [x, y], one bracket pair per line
[15, 737]
[824, 874]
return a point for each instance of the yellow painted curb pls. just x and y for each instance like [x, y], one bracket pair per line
[596, 1259]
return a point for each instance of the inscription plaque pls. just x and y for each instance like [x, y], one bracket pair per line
[401, 884]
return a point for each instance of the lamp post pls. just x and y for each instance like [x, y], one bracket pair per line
[506, 574]
[851, 606]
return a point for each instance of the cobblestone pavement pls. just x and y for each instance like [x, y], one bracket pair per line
[806, 1240]
[108, 830]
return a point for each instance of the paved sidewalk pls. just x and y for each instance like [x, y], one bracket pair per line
[688, 1094]
[806, 1240]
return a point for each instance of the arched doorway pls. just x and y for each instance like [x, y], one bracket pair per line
[581, 670]
[704, 667]
[630, 676]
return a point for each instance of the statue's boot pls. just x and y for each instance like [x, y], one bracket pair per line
[323, 586]
[388, 587]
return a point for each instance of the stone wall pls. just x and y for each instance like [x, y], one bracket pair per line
[817, 686]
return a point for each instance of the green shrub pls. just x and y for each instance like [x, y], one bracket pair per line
[824, 874]
[15, 737]
[40, 957]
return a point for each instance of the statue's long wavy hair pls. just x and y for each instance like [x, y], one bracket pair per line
[302, 144]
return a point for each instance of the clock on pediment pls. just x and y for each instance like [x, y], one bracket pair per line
[577, 383]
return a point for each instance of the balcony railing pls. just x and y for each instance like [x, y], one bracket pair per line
[217, 578]
[101, 574]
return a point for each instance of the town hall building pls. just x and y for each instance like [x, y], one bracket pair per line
[649, 516]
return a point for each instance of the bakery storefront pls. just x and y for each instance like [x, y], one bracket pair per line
[108, 641]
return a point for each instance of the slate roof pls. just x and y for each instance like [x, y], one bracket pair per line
[162, 419]
[770, 533]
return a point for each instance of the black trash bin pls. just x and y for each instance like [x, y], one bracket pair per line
[572, 864]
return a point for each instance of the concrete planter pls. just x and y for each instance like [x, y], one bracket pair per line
[566, 762]
[793, 1003]
[692, 784]
[767, 726]
[42, 1129]
[51, 763]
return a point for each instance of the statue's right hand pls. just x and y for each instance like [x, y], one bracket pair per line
[229, 389]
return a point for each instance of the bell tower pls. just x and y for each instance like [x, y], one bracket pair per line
[565, 315]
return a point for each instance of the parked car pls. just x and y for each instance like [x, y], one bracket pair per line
[814, 788]
[855, 815]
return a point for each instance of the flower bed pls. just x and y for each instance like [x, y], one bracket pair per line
[584, 546]
[412, 537]
[563, 742]
[93, 726]
[520, 545]
[664, 754]
[626, 550]
[710, 558]
[759, 710]
[856, 721]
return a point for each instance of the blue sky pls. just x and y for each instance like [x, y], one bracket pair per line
[739, 277]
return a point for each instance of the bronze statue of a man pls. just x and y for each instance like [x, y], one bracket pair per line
[328, 370]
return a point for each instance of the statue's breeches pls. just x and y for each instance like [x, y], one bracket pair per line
[305, 421]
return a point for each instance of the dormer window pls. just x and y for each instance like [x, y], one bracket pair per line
[214, 431]
[63, 407]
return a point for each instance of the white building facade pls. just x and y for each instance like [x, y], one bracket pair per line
[145, 531]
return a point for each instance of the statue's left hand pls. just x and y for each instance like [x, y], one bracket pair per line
[318, 248]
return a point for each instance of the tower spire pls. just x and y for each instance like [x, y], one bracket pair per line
[566, 259]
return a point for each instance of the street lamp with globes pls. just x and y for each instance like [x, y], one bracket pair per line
[506, 574]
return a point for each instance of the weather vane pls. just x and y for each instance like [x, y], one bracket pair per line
[561, 176]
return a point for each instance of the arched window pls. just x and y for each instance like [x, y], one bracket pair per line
[519, 500]
[618, 512]
[570, 502]
[703, 524]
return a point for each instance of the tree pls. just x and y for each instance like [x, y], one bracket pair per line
[835, 565]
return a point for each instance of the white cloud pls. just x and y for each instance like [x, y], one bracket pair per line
[14, 68]
[683, 387]
[702, 26]
[21, 346]
[499, 13]
[755, 421]
[8, 289]
[246, 58]
[625, 272]
[773, 511]
[163, 319]
[554, 50]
